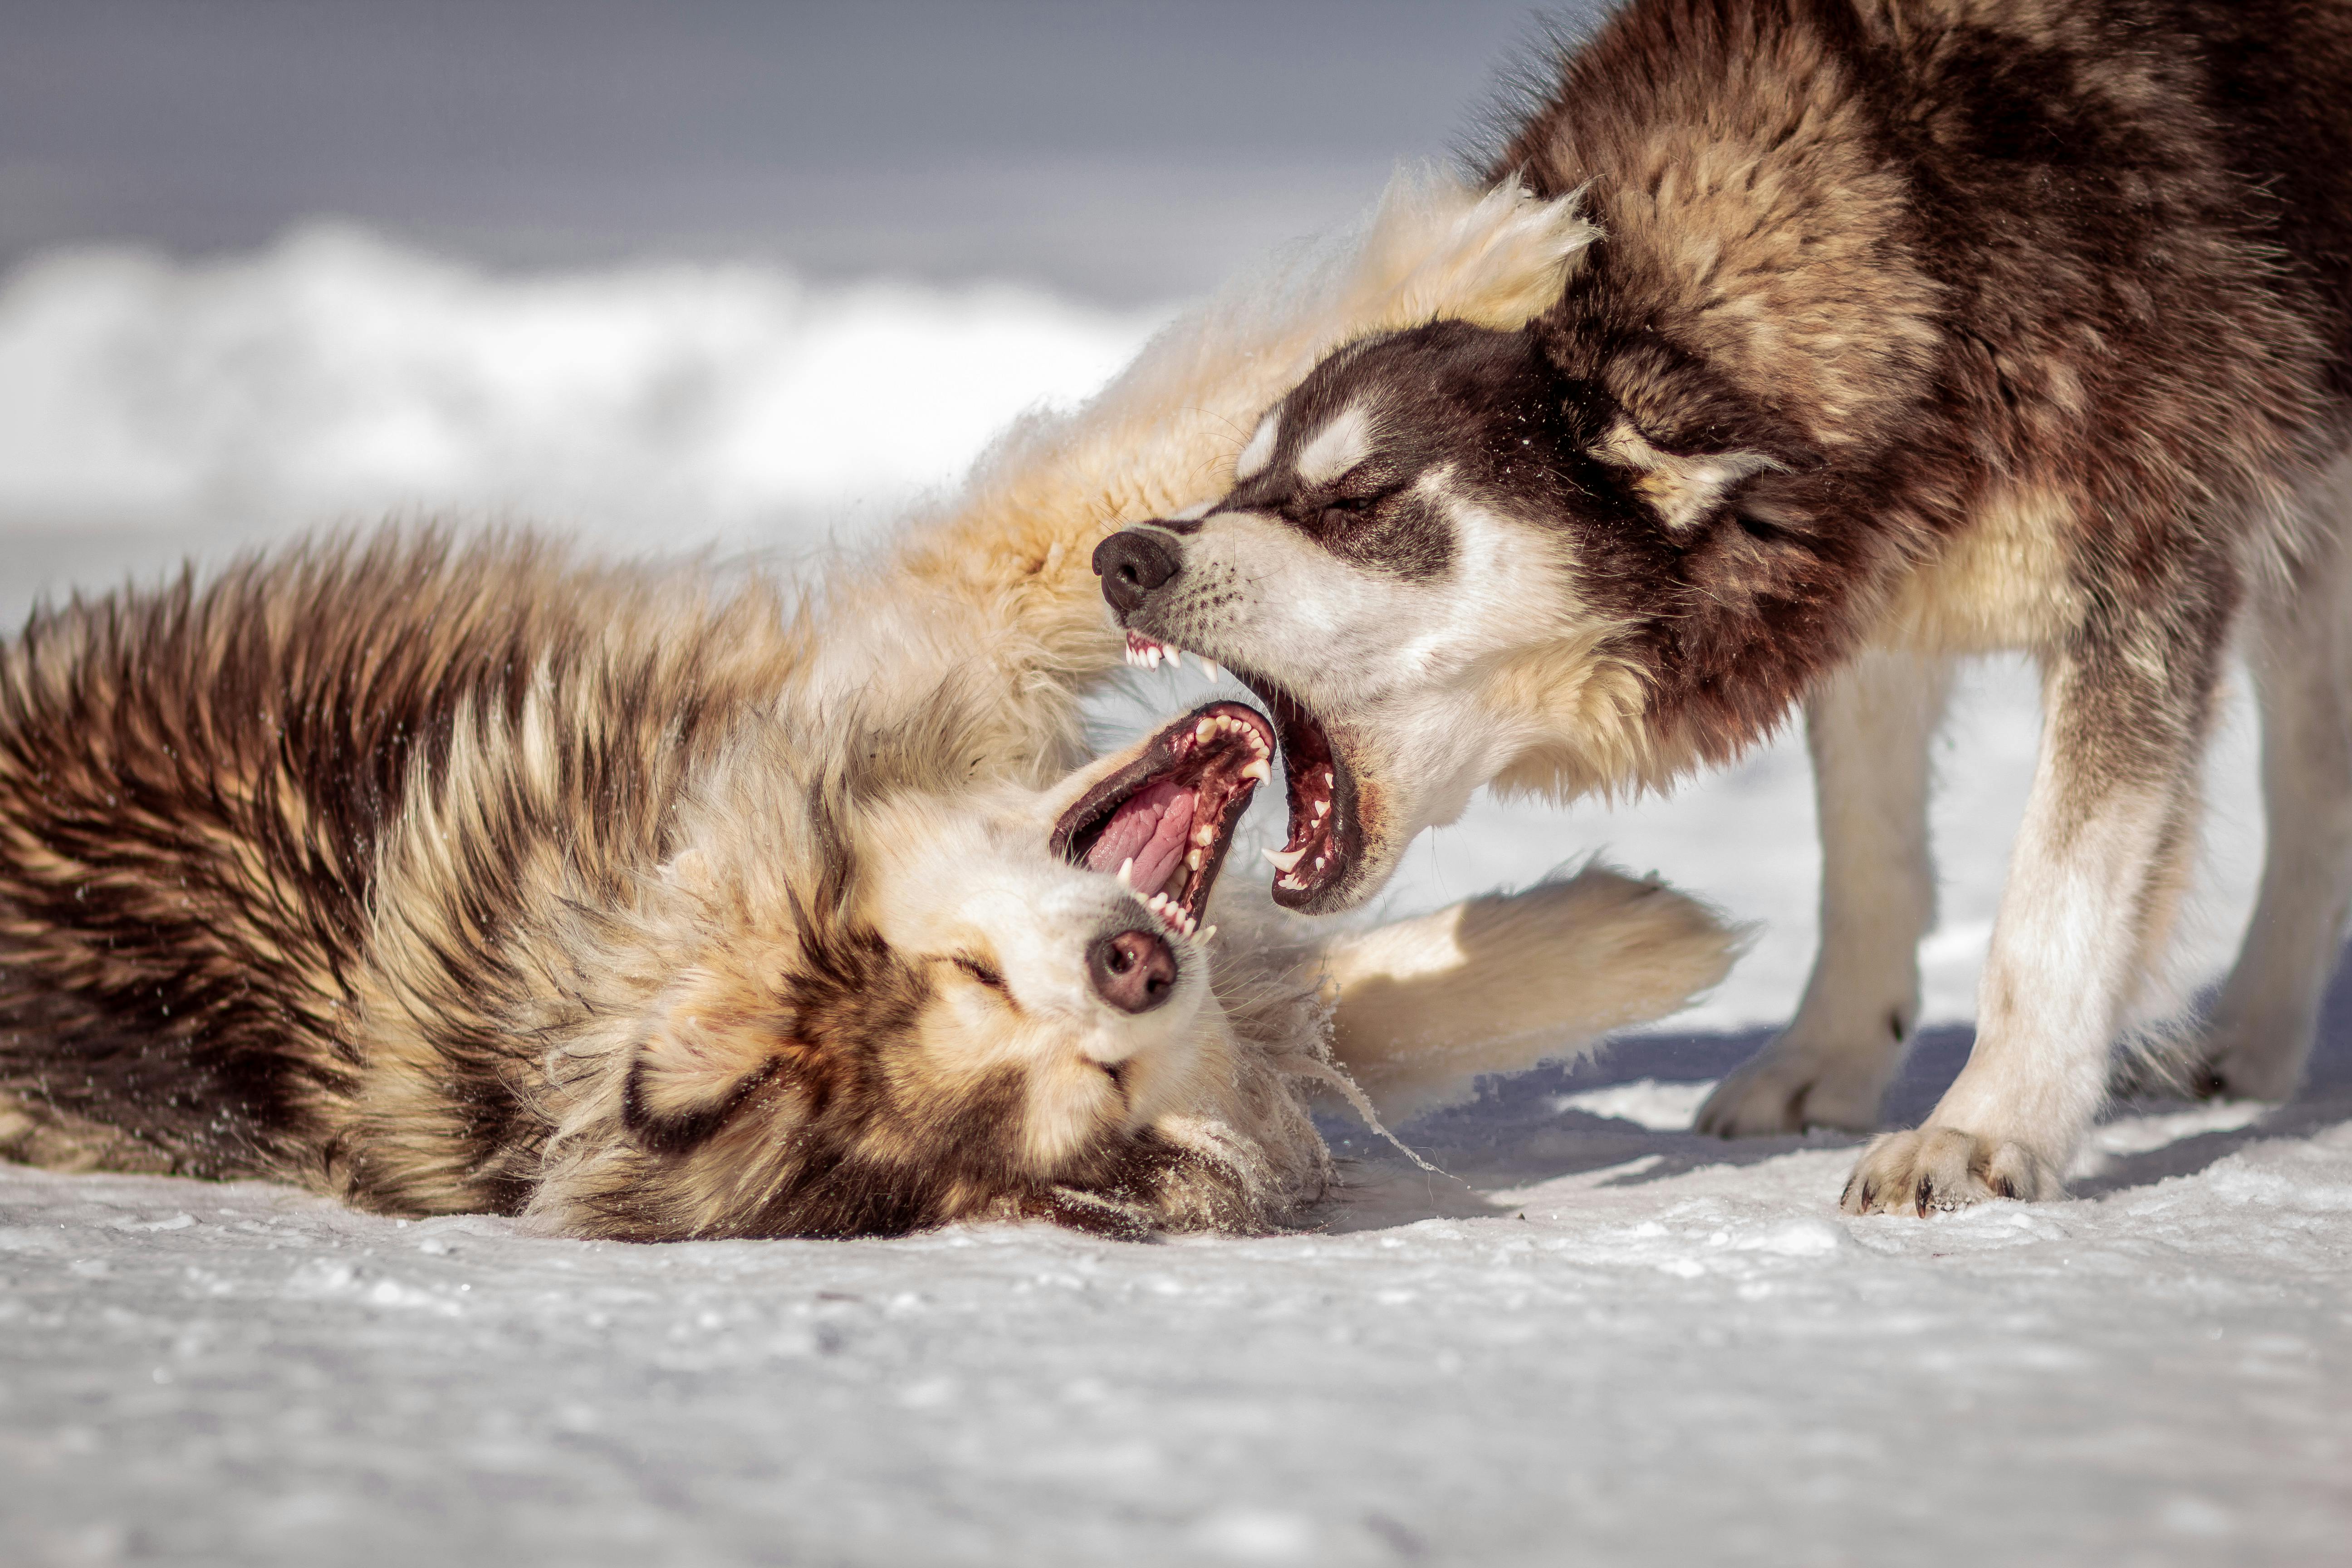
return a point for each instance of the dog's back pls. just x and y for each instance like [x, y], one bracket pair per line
[196, 787]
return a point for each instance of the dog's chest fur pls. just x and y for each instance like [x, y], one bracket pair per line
[2001, 582]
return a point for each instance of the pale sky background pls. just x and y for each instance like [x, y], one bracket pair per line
[1119, 153]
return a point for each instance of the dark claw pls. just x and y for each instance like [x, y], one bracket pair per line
[1926, 1195]
[2004, 1186]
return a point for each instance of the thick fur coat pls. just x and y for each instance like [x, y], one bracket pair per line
[1906, 329]
[445, 876]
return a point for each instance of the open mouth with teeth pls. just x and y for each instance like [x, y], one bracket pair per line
[1326, 837]
[1161, 825]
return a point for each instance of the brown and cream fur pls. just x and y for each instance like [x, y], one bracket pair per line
[655, 902]
[1910, 330]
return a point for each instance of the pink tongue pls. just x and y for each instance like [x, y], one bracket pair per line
[1153, 829]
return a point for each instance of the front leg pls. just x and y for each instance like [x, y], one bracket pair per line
[2093, 880]
[1868, 727]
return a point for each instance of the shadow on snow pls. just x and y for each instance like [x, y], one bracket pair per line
[1519, 1130]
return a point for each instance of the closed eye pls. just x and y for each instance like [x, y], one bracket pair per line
[1346, 510]
[1365, 486]
[982, 972]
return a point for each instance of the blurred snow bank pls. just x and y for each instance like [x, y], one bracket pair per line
[340, 374]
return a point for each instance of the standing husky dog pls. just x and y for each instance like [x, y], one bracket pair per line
[442, 879]
[1907, 329]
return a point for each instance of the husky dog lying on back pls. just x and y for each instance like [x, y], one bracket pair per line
[1907, 329]
[450, 879]
[444, 879]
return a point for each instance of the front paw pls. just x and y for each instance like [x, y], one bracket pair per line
[1779, 1092]
[2255, 1064]
[2229, 1064]
[1944, 1168]
[2167, 1071]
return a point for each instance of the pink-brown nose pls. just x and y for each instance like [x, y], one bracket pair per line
[1133, 970]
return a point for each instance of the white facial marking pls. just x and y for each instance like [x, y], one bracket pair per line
[1260, 450]
[1337, 448]
[1683, 489]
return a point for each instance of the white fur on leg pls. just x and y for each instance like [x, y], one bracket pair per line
[2091, 889]
[1868, 727]
[2263, 1027]
[1494, 984]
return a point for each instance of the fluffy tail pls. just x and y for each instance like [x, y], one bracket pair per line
[1423, 1006]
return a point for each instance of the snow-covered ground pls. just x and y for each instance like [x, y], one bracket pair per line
[1597, 1340]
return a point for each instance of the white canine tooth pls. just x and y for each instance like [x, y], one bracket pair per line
[1322, 808]
[1204, 836]
[1127, 872]
[1193, 859]
[1319, 862]
[1284, 862]
[1207, 933]
[1257, 770]
[1204, 728]
[1153, 653]
[1206, 665]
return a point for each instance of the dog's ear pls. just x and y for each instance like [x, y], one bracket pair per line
[1684, 438]
[702, 1055]
[1685, 490]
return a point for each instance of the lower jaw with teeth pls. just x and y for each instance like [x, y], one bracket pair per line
[1298, 866]
[1286, 862]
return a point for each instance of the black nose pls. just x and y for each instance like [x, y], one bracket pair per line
[1132, 563]
[1133, 971]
